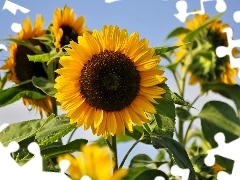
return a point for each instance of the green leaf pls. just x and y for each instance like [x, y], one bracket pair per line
[15, 93]
[22, 130]
[183, 114]
[179, 100]
[193, 34]
[175, 150]
[162, 50]
[45, 37]
[144, 173]
[140, 160]
[165, 116]
[25, 43]
[226, 90]
[221, 115]
[178, 31]
[71, 147]
[137, 134]
[45, 85]
[41, 57]
[54, 130]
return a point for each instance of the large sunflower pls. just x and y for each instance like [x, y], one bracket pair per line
[66, 27]
[21, 69]
[208, 69]
[109, 80]
[93, 162]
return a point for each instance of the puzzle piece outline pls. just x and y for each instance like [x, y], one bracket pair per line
[32, 169]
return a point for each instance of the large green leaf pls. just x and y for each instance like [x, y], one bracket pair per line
[221, 115]
[165, 116]
[15, 93]
[22, 130]
[54, 130]
[53, 151]
[36, 49]
[140, 160]
[194, 33]
[226, 90]
[45, 85]
[178, 31]
[175, 150]
[144, 173]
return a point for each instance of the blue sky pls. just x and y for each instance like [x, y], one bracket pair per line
[153, 19]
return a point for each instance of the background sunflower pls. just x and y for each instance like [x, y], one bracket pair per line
[66, 27]
[205, 66]
[21, 69]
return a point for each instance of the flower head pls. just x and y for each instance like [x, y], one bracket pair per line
[21, 69]
[206, 66]
[109, 80]
[66, 27]
[94, 162]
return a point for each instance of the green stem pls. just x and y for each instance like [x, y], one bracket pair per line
[71, 135]
[114, 149]
[186, 134]
[109, 144]
[129, 151]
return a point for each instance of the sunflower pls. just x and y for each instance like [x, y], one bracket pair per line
[66, 27]
[93, 162]
[204, 69]
[109, 80]
[21, 69]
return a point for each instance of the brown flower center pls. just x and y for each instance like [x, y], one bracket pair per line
[26, 69]
[109, 81]
[68, 35]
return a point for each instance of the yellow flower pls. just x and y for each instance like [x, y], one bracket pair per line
[94, 162]
[66, 27]
[109, 81]
[21, 69]
[208, 69]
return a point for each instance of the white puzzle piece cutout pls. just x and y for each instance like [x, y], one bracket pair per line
[228, 150]
[32, 169]
[222, 51]
[182, 6]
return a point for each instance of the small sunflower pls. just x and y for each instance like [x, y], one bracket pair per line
[208, 69]
[93, 162]
[21, 69]
[109, 80]
[66, 27]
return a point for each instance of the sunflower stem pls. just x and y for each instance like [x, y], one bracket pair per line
[114, 149]
[69, 139]
[109, 144]
[129, 151]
